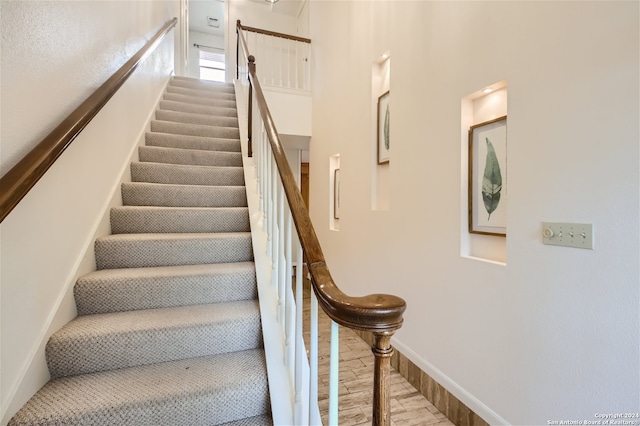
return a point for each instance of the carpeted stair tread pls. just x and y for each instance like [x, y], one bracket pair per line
[109, 341]
[195, 118]
[168, 195]
[198, 109]
[263, 420]
[117, 290]
[168, 140]
[196, 391]
[187, 175]
[195, 157]
[199, 100]
[146, 250]
[169, 329]
[228, 96]
[195, 129]
[195, 83]
[145, 219]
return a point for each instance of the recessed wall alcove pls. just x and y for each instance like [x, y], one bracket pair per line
[484, 105]
[380, 168]
[334, 192]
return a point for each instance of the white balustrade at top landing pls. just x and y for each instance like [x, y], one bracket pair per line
[284, 63]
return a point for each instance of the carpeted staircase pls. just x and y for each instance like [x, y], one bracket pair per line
[168, 331]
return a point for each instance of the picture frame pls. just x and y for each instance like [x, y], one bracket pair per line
[383, 136]
[488, 177]
[336, 194]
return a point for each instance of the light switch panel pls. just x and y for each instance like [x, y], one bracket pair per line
[579, 235]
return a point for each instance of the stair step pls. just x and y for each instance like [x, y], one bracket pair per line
[195, 157]
[199, 100]
[201, 93]
[195, 130]
[147, 250]
[146, 219]
[263, 420]
[187, 175]
[198, 109]
[168, 140]
[194, 118]
[195, 83]
[169, 329]
[91, 343]
[197, 391]
[167, 195]
[118, 290]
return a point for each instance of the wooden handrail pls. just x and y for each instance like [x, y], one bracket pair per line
[271, 33]
[380, 314]
[18, 181]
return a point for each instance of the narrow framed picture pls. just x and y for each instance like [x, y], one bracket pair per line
[336, 194]
[383, 128]
[488, 177]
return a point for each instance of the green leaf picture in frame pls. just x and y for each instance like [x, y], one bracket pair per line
[488, 177]
[384, 139]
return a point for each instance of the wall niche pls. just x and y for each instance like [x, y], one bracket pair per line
[483, 212]
[380, 114]
[334, 192]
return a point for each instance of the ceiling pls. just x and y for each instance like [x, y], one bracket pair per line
[201, 10]
[285, 7]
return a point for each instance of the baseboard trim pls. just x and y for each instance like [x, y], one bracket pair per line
[428, 380]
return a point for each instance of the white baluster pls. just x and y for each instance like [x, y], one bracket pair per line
[299, 349]
[333, 374]
[289, 326]
[313, 361]
[296, 66]
[263, 189]
[276, 230]
[260, 161]
[288, 44]
[280, 60]
[269, 211]
[281, 260]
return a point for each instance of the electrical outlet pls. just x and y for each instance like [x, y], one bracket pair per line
[578, 235]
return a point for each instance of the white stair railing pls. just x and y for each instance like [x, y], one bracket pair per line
[279, 211]
[286, 59]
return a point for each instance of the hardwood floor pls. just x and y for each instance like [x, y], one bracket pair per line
[408, 406]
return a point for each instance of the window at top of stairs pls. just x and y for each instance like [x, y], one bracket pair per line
[212, 65]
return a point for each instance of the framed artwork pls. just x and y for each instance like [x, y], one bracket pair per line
[336, 194]
[383, 128]
[488, 177]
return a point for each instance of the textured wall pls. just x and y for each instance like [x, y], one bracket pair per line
[553, 334]
[54, 54]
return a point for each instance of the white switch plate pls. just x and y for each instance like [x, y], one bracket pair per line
[579, 235]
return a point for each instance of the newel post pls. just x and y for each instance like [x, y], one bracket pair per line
[238, 26]
[251, 76]
[382, 350]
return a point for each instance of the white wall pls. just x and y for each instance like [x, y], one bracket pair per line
[201, 33]
[204, 39]
[553, 333]
[54, 54]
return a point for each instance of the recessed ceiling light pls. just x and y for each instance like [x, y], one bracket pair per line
[487, 90]
[385, 56]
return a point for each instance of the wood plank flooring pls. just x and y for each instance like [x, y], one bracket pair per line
[408, 406]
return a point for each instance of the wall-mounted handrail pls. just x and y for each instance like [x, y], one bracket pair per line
[380, 314]
[273, 33]
[18, 181]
